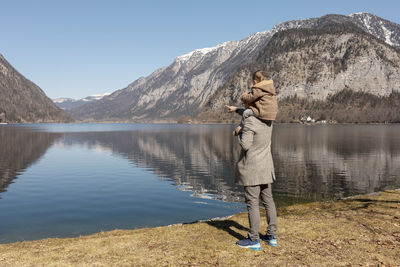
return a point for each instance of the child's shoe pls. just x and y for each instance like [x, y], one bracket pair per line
[237, 131]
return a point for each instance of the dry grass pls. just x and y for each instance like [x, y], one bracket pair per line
[360, 231]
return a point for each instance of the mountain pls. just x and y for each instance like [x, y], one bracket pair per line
[23, 101]
[70, 103]
[192, 84]
[317, 64]
[384, 30]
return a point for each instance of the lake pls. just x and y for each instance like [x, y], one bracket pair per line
[65, 180]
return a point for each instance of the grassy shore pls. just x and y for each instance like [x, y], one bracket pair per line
[362, 230]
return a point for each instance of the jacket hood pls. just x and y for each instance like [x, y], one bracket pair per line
[266, 86]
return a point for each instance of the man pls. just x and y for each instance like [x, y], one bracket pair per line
[256, 172]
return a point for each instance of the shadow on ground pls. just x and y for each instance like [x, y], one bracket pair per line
[229, 226]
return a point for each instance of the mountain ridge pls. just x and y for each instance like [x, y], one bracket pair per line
[316, 64]
[66, 103]
[186, 86]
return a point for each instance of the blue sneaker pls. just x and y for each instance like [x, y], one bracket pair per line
[248, 243]
[270, 239]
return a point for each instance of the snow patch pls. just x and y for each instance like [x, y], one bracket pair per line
[366, 18]
[62, 100]
[358, 13]
[98, 97]
[367, 23]
[203, 51]
[241, 43]
[86, 99]
[387, 33]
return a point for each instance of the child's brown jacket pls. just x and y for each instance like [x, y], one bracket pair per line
[262, 100]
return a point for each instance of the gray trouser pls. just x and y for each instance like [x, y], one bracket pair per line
[252, 194]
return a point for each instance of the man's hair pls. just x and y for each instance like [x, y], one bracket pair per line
[259, 75]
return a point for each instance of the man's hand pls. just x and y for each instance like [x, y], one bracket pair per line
[230, 108]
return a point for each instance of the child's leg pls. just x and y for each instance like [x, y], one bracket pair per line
[246, 113]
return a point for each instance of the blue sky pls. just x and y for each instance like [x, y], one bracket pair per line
[76, 48]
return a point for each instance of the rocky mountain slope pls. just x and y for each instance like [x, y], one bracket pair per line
[23, 101]
[70, 103]
[193, 82]
[317, 63]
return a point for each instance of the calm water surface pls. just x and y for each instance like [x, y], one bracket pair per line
[61, 180]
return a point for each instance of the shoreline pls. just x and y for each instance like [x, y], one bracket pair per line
[192, 222]
[200, 123]
[362, 229]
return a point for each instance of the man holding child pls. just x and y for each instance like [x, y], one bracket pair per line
[255, 165]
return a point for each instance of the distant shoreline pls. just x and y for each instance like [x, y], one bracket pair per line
[200, 123]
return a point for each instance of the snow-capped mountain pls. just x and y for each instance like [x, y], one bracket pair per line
[186, 86]
[385, 30]
[339, 63]
[62, 100]
[94, 97]
[70, 103]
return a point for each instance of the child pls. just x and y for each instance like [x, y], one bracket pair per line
[260, 101]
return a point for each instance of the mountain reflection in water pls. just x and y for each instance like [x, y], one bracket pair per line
[311, 162]
[20, 148]
[200, 159]
[331, 161]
